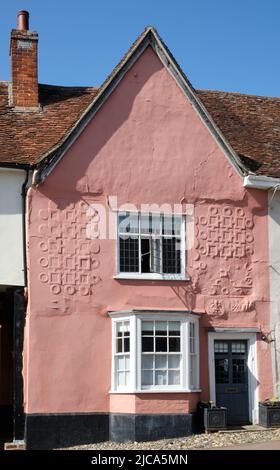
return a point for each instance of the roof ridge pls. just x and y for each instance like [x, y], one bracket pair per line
[237, 93]
[66, 87]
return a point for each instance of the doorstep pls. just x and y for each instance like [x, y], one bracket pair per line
[245, 428]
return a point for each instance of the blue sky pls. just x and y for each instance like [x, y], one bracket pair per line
[229, 45]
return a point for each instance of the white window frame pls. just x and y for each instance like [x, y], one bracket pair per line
[194, 354]
[182, 276]
[135, 320]
[116, 354]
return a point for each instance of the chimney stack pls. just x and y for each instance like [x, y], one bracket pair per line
[24, 62]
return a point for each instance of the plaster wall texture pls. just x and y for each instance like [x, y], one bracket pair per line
[145, 145]
[11, 254]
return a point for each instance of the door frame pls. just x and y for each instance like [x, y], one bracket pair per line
[252, 367]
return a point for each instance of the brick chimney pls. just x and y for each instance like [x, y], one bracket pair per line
[24, 62]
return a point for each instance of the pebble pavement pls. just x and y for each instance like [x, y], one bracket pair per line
[196, 441]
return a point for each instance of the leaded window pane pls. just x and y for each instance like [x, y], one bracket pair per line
[171, 256]
[150, 243]
[129, 254]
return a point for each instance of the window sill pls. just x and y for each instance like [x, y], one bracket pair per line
[152, 277]
[137, 392]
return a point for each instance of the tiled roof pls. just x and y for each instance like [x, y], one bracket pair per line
[26, 136]
[251, 124]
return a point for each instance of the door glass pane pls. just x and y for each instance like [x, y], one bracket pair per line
[222, 372]
[238, 348]
[238, 371]
[221, 347]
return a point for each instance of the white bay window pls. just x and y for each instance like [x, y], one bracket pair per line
[154, 353]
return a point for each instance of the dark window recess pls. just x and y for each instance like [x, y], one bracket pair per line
[119, 347]
[147, 344]
[171, 262]
[126, 345]
[145, 255]
[161, 344]
[174, 344]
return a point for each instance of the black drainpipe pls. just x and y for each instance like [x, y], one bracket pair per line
[19, 323]
[23, 200]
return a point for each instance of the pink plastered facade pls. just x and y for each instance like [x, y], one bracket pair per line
[145, 145]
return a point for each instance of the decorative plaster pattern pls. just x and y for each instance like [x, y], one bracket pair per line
[224, 239]
[226, 233]
[70, 254]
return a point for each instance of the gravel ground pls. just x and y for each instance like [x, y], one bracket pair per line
[197, 441]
